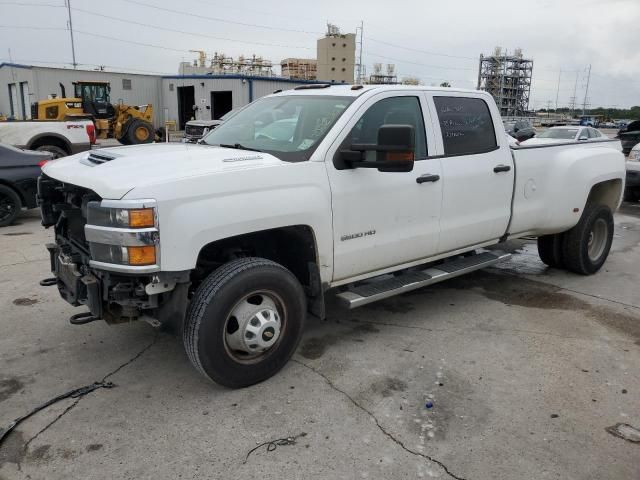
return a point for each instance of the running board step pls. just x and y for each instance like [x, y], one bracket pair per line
[387, 286]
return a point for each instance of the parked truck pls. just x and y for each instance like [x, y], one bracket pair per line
[362, 192]
[58, 138]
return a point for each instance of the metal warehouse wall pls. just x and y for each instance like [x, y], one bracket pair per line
[45, 81]
[240, 88]
[10, 75]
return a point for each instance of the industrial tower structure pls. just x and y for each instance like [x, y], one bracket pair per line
[508, 79]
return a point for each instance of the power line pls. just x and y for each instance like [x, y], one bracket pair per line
[416, 63]
[23, 4]
[217, 19]
[418, 50]
[17, 27]
[142, 44]
[183, 32]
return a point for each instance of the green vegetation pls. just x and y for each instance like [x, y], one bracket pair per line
[632, 113]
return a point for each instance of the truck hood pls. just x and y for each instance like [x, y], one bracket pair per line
[112, 172]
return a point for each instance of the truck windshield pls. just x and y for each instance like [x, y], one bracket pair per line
[288, 127]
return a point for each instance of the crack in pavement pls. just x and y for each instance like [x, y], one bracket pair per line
[77, 400]
[380, 427]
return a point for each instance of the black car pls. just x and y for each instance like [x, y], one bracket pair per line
[520, 129]
[19, 172]
[629, 136]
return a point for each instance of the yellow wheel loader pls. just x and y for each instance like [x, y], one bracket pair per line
[128, 124]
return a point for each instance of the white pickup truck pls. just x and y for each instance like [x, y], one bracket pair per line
[357, 191]
[58, 138]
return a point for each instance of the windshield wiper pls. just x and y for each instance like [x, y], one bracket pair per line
[239, 146]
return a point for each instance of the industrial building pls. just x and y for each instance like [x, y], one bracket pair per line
[508, 79]
[336, 56]
[176, 98]
[21, 85]
[303, 68]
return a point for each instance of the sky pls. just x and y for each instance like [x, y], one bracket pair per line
[434, 41]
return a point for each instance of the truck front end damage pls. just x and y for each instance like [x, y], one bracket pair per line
[106, 256]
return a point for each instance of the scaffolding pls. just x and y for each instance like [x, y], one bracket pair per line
[300, 68]
[221, 64]
[508, 79]
[380, 78]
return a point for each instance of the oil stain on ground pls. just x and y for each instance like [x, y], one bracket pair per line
[315, 347]
[25, 302]
[387, 386]
[527, 293]
[9, 386]
[13, 450]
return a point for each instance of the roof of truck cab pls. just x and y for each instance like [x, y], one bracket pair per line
[350, 91]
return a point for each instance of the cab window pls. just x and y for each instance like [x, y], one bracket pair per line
[466, 125]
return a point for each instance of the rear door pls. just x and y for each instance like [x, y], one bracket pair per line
[384, 219]
[477, 170]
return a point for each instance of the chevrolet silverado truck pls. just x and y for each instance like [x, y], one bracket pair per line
[58, 138]
[362, 192]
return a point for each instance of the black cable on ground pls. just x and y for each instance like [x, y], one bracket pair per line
[75, 393]
[273, 444]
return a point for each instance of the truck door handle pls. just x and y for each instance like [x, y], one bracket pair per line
[501, 168]
[427, 178]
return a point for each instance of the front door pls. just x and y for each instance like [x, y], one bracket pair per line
[477, 171]
[384, 219]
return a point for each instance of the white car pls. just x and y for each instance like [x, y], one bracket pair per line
[566, 134]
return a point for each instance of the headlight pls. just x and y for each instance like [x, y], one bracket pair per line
[634, 155]
[120, 217]
[126, 236]
[131, 255]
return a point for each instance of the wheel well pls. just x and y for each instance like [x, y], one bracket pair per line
[58, 142]
[13, 187]
[293, 247]
[606, 193]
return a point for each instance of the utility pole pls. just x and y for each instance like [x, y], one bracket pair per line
[572, 101]
[73, 47]
[558, 90]
[359, 80]
[586, 90]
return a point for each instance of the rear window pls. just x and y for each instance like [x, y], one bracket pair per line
[466, 125]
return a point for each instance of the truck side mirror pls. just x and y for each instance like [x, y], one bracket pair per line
[395, 150]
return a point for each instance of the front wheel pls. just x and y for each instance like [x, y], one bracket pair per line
[586, 246]
[244, 322]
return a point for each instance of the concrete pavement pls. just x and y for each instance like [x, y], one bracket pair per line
[525, 368]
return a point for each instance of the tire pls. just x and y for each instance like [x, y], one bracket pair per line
[139, 132]
[550, 250]
[54, 150]
[222, 313]
[586, 246]
[10, 205]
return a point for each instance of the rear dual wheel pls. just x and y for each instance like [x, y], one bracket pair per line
[584, 248]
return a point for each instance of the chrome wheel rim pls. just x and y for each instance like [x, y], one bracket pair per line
[254, 326]
[597, 239]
